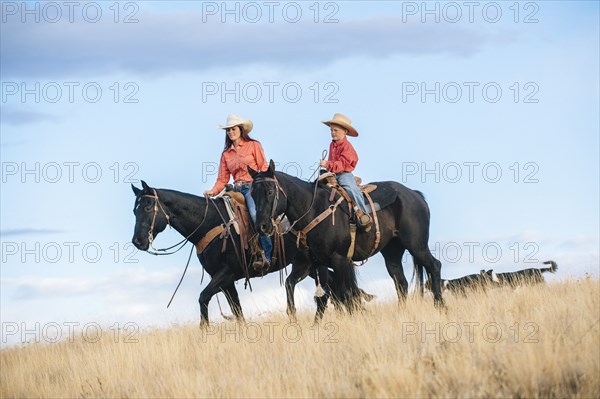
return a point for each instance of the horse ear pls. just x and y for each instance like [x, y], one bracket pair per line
[272, 167]
[136, 190]
[251, 171]
[145, 186]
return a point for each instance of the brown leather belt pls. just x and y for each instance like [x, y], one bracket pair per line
[241, 184]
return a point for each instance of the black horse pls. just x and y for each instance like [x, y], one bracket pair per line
[404, 225]
[193, 217]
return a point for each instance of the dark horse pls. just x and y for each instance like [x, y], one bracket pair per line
[193, 216]
[404, 225]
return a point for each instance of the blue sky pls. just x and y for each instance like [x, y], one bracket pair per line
[495, 119]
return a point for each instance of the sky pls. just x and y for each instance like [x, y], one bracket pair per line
[491, 109]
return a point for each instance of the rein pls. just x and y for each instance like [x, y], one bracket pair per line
[181, 244]
[301, 235]
[227, 233]
[312, 202]
[276, 201]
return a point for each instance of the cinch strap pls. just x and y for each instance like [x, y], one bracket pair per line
[324, 215]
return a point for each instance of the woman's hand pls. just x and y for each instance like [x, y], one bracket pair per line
[208, 193]
[323, 163]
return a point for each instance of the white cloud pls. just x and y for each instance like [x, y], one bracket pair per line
[163, 43]
[34, 287]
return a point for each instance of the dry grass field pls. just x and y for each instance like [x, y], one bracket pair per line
[540, 341]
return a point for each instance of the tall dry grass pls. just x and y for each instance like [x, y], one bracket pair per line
[540, 341]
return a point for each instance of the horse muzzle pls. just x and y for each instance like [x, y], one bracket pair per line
[266, 229]
[142, 245]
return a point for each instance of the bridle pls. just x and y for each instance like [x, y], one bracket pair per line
[157, 206]
[276, 198]
[276, 201]
[181, 244]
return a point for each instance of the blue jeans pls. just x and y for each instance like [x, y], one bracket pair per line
[265, 242]
[346, 180]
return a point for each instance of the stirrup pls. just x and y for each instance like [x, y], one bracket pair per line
[325, 175]
[262, 264]
[365, 221]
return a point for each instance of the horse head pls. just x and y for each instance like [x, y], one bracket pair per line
[150, 216]
[266, 193]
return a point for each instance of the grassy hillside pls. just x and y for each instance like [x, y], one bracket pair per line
[541, 341]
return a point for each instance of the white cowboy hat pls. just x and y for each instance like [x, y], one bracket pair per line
[234, 120]
[343, 121]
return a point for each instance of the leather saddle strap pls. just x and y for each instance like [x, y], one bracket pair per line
[231, 212]
[322, 216]
[241, 213]
[208, 238]
[376, 220]
[342, 191]
[226, 232]
[352, 240]
[237, 214]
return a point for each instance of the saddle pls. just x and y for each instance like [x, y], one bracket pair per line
[239, 218]
[330, 180]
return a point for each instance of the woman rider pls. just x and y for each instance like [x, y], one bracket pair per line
[240, 152]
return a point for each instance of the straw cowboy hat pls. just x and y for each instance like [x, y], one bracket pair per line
[343, 121]
[234, 120]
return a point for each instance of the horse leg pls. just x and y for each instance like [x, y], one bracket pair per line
[322, 278]
[392, 253]
[300, 269]
[219, 281]
[433, 267]
[234, 302]
[335, 292]
[345, 282]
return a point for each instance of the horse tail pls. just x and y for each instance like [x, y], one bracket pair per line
[418, 271]
[420, 194]
[418, 268]
[349, 292]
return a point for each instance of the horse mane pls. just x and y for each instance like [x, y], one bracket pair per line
[189, 201]
[187, 196]
[294, 179]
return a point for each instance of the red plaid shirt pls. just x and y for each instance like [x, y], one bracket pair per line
[234, 162]
[342, 156]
